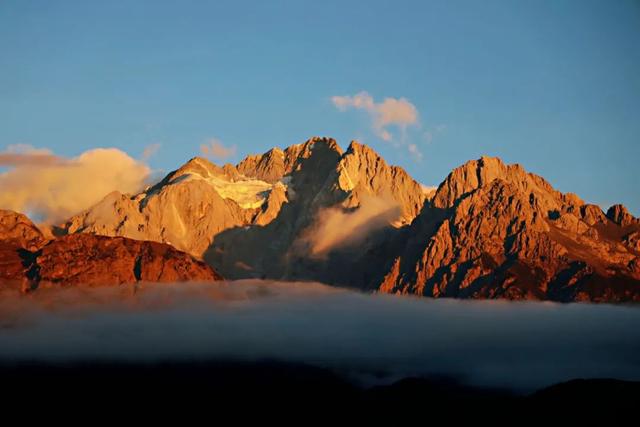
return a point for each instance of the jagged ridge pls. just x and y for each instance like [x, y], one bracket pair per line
[490, 230]
[496, 231]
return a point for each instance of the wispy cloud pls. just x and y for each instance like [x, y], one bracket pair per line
[391, 112]
[415, 151]
[335, 228]
[431, 133]
[26, 155]
[149, 151]
[214, 149]
[53, 188]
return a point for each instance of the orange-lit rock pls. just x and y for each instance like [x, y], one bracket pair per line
[28, 260]
[496, 231]
[84, 259]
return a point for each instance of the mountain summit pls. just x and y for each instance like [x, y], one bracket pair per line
[493, 230]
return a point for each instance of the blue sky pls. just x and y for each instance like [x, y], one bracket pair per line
[553, 85]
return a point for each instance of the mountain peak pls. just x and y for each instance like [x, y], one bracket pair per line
[198, 165]
[18, 229]
[479, 173]
[316, 142]
[275, 163]
[363, 173]
[620, 215]
[356, 147]
[496, 230]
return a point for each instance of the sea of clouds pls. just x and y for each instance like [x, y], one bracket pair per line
[371, 338]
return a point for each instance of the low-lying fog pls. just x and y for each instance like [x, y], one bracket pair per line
[372, 338]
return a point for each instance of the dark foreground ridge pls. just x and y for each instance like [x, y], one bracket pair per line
[281, 390]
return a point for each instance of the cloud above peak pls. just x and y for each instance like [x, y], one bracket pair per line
[399, 112]
[216, 150]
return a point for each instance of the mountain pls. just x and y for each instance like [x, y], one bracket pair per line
[194, 203]
[202, 208]
[30, 260]
[314, 211]
[495, 231]
[338, 202]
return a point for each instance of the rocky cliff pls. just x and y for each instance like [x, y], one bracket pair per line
[18, 230]
[29, 260]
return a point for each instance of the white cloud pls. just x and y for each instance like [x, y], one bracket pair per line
[54, 188]
[214, 149]
[398, 112]
[335, 228]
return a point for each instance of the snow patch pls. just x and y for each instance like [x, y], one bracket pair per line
[248, 193]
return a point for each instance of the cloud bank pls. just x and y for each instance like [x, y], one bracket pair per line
[52, 188]
[524, 345]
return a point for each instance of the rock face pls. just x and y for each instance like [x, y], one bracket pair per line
[274, 164]
[621, 216]
[17, 229]
[28, 260]
[496, 231]
[85, 259]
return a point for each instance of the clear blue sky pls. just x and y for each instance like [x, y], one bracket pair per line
[553, 85]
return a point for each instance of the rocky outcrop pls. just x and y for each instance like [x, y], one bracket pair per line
[84, 259]
[621, 216]
[17, 229]
[276, 163]
[14, 264]
[496, 231]
[28, 261]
